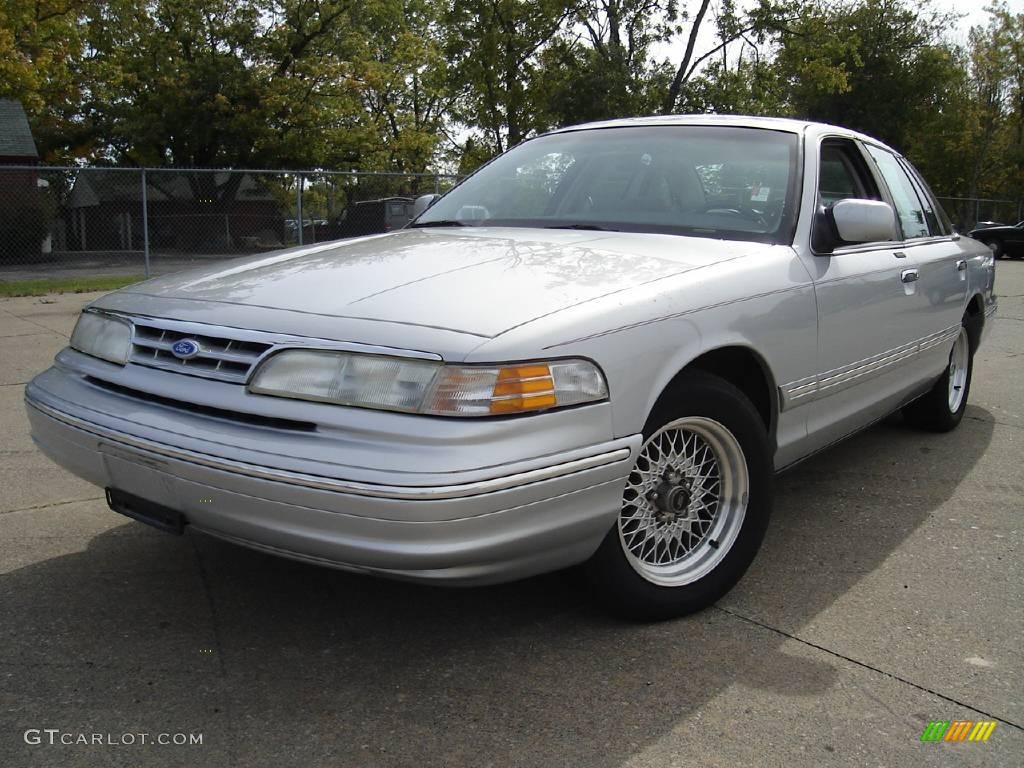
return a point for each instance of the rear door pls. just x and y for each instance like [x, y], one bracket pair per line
[935, 252]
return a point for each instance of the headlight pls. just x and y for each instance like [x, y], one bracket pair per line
[422, 386]
[102, 336]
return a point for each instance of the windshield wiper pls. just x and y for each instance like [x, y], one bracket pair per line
[594, 227]
[439, 223]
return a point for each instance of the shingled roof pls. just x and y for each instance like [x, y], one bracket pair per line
[15, 135]
[94, 186]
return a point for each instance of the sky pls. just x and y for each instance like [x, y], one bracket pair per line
[972, 11]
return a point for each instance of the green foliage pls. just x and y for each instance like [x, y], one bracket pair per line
[582, 84]
[102, 283]
[992, 141]
[608, 72]
[408, 85]
[42, 53]
[876, 66]
[493, 46]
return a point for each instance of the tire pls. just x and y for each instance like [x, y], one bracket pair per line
[710, 529]
[942, 408]
[996, 246]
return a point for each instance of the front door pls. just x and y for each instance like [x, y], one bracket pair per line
[868, 314]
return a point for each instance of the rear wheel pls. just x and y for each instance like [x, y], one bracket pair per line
[695, 506]
[996, 246]
[943, 407]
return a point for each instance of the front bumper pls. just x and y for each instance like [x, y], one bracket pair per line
[458, 527]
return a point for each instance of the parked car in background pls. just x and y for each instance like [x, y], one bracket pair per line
[598, 349]
[1002, 239]
[371, 217]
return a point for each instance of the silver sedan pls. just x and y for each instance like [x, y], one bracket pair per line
[598, 350]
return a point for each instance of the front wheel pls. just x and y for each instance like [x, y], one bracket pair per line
[695, 505]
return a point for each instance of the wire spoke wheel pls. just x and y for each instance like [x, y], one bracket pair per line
[959, 361]
[684, 502]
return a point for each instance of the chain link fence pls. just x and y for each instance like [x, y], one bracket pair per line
[68, 221]
[968, 212]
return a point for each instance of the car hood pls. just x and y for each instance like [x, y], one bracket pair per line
[479, 281]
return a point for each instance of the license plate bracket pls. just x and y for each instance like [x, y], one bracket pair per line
[145, 511]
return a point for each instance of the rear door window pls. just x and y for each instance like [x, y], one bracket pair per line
[938, 219]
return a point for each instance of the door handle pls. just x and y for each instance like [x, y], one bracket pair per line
[909, 275]
[961, 265]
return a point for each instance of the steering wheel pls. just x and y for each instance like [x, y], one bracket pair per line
[750, 214]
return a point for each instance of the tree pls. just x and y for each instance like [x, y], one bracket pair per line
[995, 110]
[41, 49]
[401, 76]
[606, 71]
[877, 66]
[191, 84]
[493, 49]
[766, 19]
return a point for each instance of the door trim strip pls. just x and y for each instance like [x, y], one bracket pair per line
[811, 388]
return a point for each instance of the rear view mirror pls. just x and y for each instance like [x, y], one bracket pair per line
[422, 203]
[862, 221]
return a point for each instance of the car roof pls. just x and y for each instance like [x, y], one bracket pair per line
[789, 125]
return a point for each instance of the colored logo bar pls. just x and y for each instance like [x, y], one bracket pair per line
[958, 730]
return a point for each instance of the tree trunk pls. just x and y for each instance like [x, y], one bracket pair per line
[677, 82]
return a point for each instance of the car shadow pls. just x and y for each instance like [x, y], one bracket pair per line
[352, 670]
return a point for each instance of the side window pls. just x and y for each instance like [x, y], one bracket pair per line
[931, 218]
[938, 220]
[909, 207]
[842, 175]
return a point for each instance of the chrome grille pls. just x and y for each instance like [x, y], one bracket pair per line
[219, 358]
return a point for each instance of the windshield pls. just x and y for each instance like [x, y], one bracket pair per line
[722, 182]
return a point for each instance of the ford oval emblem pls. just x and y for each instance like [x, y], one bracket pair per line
[185, 349]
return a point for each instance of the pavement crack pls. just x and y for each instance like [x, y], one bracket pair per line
[51, 331]
[50, 504]
[869, 667]
[994, 421]
[204, 579]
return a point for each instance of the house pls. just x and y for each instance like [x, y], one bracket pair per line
[190, 211]
[27, 216]
[17, 147]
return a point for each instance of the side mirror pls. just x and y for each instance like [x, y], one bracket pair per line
[422, 203]
[863, 221]
[852, 221]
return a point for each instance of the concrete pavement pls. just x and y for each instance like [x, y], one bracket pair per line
[889, 593]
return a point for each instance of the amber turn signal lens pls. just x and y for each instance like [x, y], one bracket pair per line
[523, 388]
